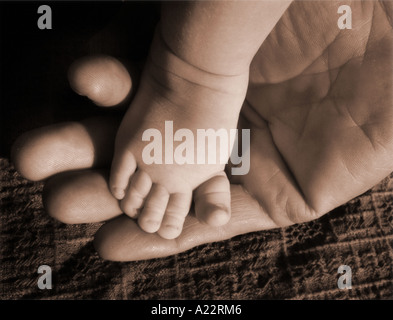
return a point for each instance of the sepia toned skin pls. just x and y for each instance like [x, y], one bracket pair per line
[319, 106]
[196, 76]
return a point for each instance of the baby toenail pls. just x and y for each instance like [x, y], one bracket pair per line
[118, 193]
[171, 226]
[221, 207]
[218, 217]
[153, 222]
[134, 213]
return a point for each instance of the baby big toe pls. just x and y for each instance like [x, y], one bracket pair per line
[178, 207]
[154, 209]
[213, 201]
[123, 166]
[138, 189]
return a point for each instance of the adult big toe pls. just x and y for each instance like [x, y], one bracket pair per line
[80, 197]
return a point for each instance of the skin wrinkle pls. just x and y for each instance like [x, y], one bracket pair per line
[190, 64]
[161, 84]
[291, 174]
[243, 207]
[369, 33]
[340, 68]
[327, 46]
[161, 88]
[362, 125]
[387, 7]
[298, 43]
[302, 133]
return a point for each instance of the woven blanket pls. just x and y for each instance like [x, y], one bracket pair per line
[297, 262]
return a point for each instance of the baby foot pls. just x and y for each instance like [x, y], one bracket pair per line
[159, 156]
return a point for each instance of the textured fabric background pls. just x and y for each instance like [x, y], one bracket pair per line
[298, 262]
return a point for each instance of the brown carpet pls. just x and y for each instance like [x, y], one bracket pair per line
[298, 262]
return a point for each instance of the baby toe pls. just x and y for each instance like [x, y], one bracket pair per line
[213, 201]
[123, 166]
[154, 209]
[136, 193]
[178, 207]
